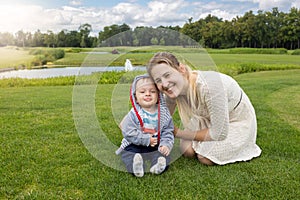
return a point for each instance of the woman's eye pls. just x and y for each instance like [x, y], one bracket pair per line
[157, 81]
[167, 75]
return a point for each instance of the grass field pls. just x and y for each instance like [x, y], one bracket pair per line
[43, 157]
[13, 57]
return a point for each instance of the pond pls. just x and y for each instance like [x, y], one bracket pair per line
[57, 72]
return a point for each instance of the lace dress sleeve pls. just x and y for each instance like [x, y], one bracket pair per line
[217, 105]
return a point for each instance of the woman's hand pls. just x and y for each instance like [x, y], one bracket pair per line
[164, 150]
[186, 134]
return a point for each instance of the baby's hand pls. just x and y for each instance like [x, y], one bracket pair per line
[153, 141]
[164, 150]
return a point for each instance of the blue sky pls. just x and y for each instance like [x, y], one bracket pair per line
[56, 15]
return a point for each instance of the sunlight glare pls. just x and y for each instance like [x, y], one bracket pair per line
[17, 17]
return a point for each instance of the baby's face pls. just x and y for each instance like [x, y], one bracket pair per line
[146, 93]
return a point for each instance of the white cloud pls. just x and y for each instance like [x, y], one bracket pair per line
[269, 4]
[224, 11]
[166, 12]
[161, 11]
[23, 17]
[76, 3]
[296, 4]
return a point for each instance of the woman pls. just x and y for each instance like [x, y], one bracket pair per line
[218, 118]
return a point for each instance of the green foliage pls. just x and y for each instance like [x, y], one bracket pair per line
[55, 53]
[296, 52]
[110, 77]
[46, 55]
[115, 77]
[235, 69]
[73, 50]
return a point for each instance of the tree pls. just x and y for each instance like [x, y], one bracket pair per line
[249, 29]
[110, 31]
[227, 33]
[85, 30]
[20, 38]
[275, 21]
[6, 39]
[292, 29]
[38, 39]
[50, 39]
[73, 39]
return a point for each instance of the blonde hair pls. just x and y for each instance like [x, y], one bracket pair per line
[186, 105]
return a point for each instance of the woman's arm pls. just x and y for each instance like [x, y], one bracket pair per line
[200, 135]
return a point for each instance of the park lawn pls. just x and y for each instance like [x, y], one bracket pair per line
[210, 59]
[87, 59]
[43, 157]
[229, 59]
[11, 57]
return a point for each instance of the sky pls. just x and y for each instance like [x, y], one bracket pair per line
[57, 15]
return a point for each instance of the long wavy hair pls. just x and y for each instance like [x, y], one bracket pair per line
[186, 104]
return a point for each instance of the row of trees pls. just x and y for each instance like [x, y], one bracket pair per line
[65, 38]
[272, 29]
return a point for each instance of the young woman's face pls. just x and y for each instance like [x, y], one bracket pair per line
[169, 80]
[146, 93]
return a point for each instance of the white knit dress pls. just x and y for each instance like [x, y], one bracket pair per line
[228, 113]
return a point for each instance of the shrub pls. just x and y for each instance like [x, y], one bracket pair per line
[46, 55]
[296, 52]
[118, 77]
[235, 69]
[258, 51]
[73, 50]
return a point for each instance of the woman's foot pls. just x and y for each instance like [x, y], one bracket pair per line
[204, 160]
[138, 169]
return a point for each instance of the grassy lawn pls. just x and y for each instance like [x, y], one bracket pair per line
[43, 157]
[13, 57]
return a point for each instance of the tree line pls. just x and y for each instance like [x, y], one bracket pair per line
[266, 29]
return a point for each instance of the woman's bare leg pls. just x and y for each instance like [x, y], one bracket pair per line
[186, 148]
[204, 160]
[188, 151]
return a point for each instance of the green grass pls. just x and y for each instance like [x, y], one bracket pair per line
[42, 156]
[12, 57]
[227, 59]
[210, 58]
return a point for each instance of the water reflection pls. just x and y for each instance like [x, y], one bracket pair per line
[56, 72]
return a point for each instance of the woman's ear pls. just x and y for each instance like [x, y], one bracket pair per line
[182, 68]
